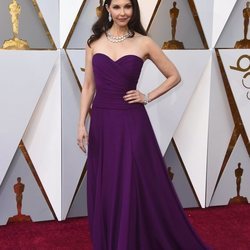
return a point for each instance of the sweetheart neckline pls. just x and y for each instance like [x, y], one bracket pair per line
[122, 57]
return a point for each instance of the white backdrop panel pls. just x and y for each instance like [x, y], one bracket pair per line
[192, 135]
[180, 180]
[83, 28]
[73, 159]
[79, 205]
[50, 12]
[219, 18]
[221, 127]
[77, 58]
[233, 29]
[205, 13]
[42, 138]
[68, 13]
[226, 188]
[147, 8]
[20, 91]
[236, 78]
[165, 113]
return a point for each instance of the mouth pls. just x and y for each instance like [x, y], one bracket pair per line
[122, 19]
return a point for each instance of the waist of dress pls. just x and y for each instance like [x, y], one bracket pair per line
[113, 101]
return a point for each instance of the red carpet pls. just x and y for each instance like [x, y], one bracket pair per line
[226, 228]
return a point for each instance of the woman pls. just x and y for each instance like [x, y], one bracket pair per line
[131, 202]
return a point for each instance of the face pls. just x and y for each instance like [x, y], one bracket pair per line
[121, 11]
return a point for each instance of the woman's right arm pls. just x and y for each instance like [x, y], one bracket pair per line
[88, 91]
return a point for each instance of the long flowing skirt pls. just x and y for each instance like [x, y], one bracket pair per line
[132, 204]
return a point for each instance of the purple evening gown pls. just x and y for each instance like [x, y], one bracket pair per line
[132, 204]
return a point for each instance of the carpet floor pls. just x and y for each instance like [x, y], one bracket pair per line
[223, 228]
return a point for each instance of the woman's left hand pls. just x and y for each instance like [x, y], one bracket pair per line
[134, 96]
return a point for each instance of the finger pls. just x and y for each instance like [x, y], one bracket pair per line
[78, 142]
[82, 137]
[131, 92]
[81, 146]
[135, 101]
[85, 139]
[83, 149]
[131, 96]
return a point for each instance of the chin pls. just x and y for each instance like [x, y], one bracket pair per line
[122, 24]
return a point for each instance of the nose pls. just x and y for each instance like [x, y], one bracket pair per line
[122, 12]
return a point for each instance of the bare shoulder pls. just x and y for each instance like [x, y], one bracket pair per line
[89, 52]
[97, 44]
[140, 38]
[146, 40]
[147, 44]
[150, 43]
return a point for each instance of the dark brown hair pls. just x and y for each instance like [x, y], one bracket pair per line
[103, 24]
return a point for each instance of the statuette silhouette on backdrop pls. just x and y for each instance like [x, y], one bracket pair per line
[238, 199]
[170, 173]
[15, 42]
[244, 43]
[99, 8]
[173, 44]
[19, 189]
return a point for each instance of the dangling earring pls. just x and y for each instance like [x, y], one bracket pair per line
[110, 17]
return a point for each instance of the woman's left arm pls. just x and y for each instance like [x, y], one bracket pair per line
[167, 68]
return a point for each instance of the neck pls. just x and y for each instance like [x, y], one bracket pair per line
[118, 31]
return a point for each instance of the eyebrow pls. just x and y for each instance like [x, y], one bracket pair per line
[116, 4]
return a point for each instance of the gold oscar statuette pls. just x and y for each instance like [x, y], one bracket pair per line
[238, 199]
[244, 43]
[99, 9]
[15, 42]
[19, 189]
[173, 44]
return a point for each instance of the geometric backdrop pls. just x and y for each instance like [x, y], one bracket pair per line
[202, 125]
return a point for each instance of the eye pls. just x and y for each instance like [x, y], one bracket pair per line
[128, 6]
[116, 7]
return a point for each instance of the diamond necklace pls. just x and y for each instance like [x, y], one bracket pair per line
[118, 39]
